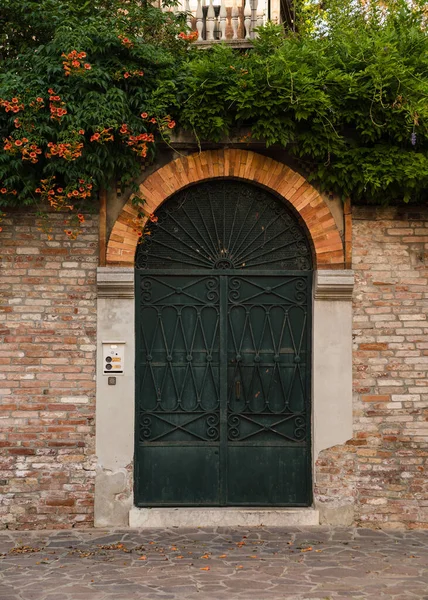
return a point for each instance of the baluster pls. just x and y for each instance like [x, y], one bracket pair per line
[210, 22]
[188, 14]
[260, 15]
[247, 19]
[223, 17]
[254, 4]
[200, 20]
[235, 16]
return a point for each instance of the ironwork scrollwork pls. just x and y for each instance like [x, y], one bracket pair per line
[234, 289]
[141, 259]
[276, 207]
[299, 428]
[143, 250]
[302, 248]
[301, 291]
[162, 219]
[303, 264]
[146, 428]
[233, 429]
[213, 432]
[146, 290]
[212, 287]
[296, 233]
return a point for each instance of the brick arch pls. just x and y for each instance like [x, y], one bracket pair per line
[240, 164]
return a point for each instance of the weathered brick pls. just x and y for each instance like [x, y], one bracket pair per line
[390, 377]
[376, 398]
[373, 346]
[38, 350]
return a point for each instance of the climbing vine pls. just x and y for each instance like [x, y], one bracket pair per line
[79, 109]
[88, 89]
[346, 96]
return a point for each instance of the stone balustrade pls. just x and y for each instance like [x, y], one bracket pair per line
[231, 21]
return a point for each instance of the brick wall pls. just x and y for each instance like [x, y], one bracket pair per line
[47, 369]
[384, 469]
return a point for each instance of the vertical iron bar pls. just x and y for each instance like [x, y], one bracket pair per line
[224, 248]
[308, 379]
[223, 391]
[137, 367]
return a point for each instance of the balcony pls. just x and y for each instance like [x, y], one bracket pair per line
[230, 21]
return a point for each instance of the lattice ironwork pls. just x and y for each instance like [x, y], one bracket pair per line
[267, 358]
[223, 319]
[225, 224]
[179, 358]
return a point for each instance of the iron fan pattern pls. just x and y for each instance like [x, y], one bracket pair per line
[224, 224]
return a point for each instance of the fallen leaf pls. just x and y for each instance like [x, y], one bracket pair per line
[113, 547]
[254, 556]
[239, 567]
[24, 550]
[143, 557]
[306, 549]
[223, 556]
[204, 568]
[205, 556]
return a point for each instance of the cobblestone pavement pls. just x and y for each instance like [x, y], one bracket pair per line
[317, 563]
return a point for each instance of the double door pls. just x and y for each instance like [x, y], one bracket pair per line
[223, 388]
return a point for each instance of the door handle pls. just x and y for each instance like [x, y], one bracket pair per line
[238, 390]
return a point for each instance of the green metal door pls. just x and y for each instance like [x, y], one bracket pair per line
[223, 306]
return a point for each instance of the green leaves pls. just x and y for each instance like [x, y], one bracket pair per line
[105, 65]
[347, 96]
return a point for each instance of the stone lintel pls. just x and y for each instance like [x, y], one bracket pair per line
[334, 284]
[115, 282]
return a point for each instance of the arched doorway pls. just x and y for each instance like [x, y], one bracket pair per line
[223, 330]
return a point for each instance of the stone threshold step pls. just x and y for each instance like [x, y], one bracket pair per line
[222, 517]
